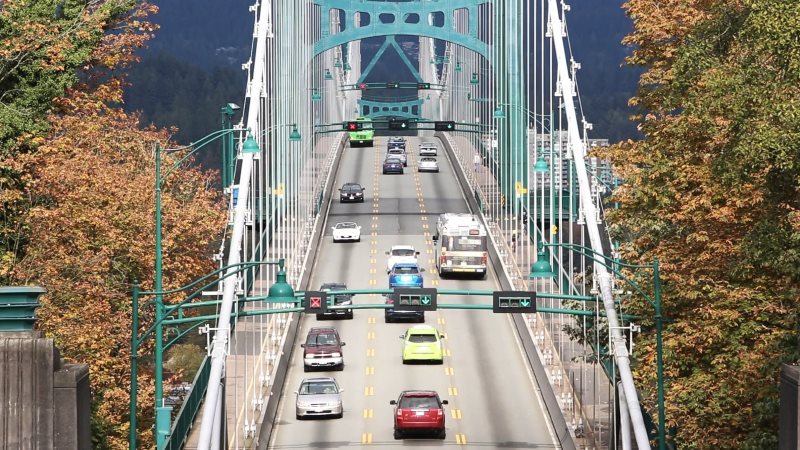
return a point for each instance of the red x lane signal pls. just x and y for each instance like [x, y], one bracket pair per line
[316, 302]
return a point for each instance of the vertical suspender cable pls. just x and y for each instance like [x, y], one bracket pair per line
[578, 152]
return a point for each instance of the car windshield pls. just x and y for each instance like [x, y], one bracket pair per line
[421, 338]
[318, 387]
[403, 252]
[352, 187]
[428, 160]
[396, 151]
[321, 339]
[392, 161]
[405, 270]
[345, 225]
[419, 403]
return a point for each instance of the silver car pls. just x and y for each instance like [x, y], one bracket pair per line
[428, 149]
[428, 164]
[319, 397]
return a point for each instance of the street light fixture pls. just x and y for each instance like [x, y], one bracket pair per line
[279, 292]
[315, 95]
[544, 270]
[328, 75]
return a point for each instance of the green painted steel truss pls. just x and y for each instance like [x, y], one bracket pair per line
[390, 19]
[414, 18]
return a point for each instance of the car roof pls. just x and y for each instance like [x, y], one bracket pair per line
[333, 285]
[318, 330]
[347, 224]
[422, 329]
[318, 379]
[393, 159]
[419, 394]
[407, 265]
[403, 247]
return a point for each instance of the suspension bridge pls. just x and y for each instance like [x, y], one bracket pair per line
[500, 77]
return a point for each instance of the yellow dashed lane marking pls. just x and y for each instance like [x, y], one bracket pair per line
[369, 390]
[373, 251]
[453, 392]
[371, 335]
[446, 352]
[370, 320]
[435, 282]
[368, 413]
[370, 352]
[373, 270]
[445, 336]
[461, 439]
[369, 371]
[456, 413]
[366, 438]
[373, 283]
[440, 320]
[449, 371]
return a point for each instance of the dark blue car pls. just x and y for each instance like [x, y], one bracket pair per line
[406, 275]
[392, 165]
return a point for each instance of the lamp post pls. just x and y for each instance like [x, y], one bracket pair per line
[163, 413]
[542, 269]
[280, 291]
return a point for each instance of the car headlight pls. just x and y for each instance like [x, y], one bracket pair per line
[336, 354]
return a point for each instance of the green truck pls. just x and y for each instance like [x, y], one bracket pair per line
[364, 134]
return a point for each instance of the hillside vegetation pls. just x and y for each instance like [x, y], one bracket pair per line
[77, 177]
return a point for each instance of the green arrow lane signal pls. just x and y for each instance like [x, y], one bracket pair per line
[514, 302]
[415, 299]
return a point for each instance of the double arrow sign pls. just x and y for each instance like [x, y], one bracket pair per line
[514, 302]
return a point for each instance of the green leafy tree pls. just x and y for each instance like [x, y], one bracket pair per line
[713, 192]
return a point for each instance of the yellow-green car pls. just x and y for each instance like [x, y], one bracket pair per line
[422, 343]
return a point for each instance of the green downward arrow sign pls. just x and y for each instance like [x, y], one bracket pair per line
[425, 300]
[525, 302]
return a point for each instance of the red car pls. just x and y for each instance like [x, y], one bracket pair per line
[418, 411]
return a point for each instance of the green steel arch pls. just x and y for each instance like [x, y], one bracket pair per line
[412, 18]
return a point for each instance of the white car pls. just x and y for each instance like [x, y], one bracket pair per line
[428, 149]
[401, 254]
[346, 231]
[398, 153]
[428, 164]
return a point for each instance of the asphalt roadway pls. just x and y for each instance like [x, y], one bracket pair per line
[493, 399]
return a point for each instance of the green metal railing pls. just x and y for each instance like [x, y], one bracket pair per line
[185, 418]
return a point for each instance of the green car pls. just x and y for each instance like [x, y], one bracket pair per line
[422, 343]
[364, 135]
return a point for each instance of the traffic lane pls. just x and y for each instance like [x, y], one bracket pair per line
[342, 262]
[497, 396]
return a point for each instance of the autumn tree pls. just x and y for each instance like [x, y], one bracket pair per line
[82, 181]
[713, 192]
[45, 48]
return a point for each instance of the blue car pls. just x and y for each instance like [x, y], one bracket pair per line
[406, 275]
[392, 165]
